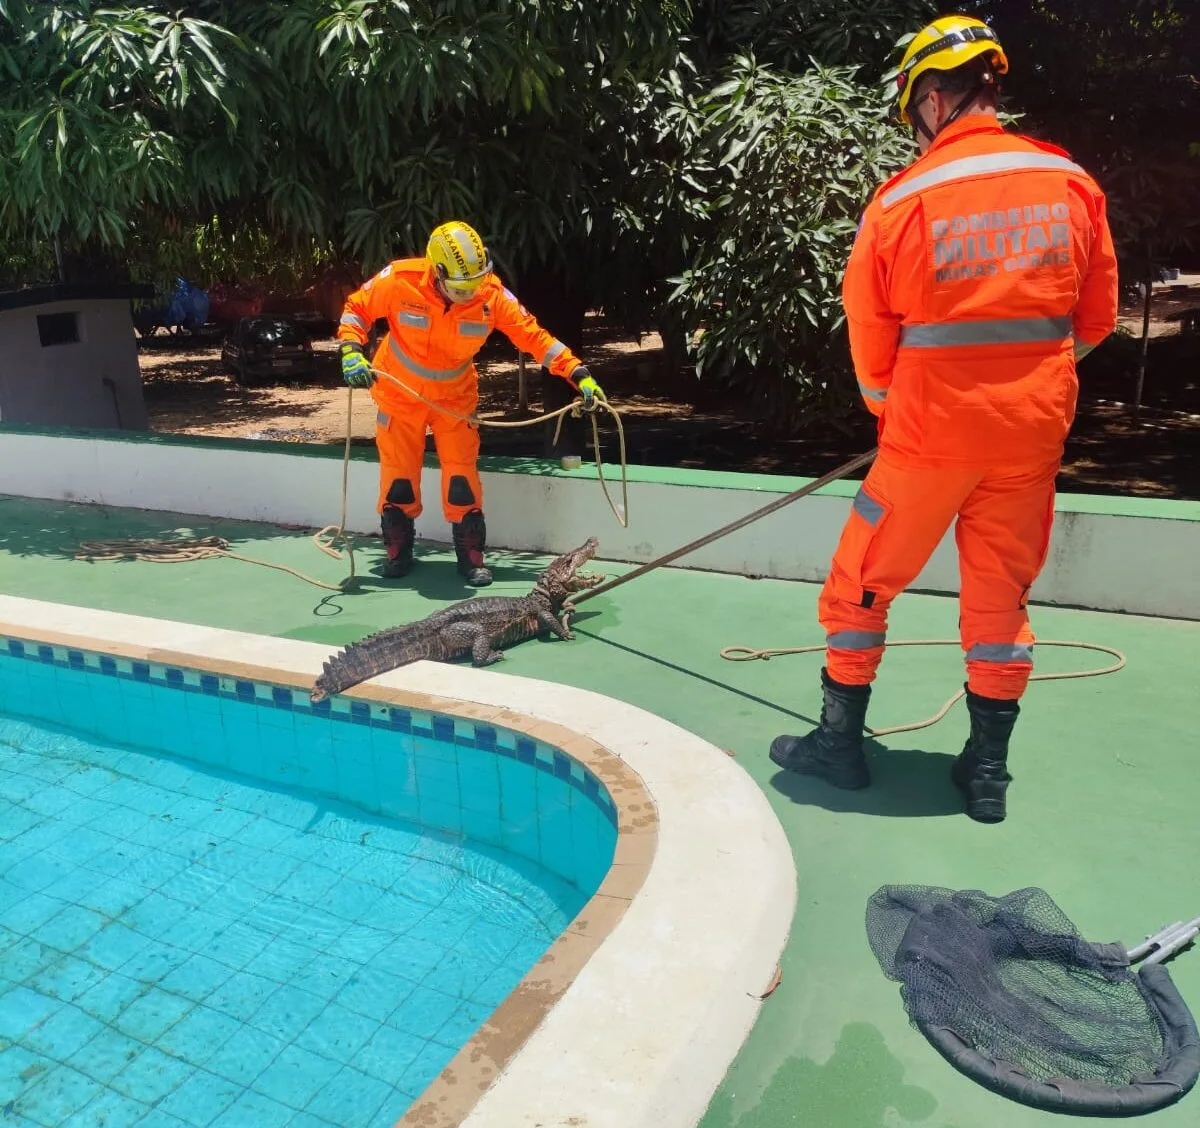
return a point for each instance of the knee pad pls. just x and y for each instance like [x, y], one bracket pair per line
[400, 492]
[459, 491]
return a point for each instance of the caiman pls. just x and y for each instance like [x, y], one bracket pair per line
[479, 627]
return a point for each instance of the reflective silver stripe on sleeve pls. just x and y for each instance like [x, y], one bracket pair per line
[383, 419]
[1003, 331]
[556, 349]
[474, 328]
[416, 320]
[353, 319]
[855, 640]
[1021, 652]
[876, 394]
[976, 166]
[867, 507]
[420, 369]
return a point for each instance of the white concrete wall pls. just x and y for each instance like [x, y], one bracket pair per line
[65, 385]
[1141, 564]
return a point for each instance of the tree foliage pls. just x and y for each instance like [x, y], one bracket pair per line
[695, 166]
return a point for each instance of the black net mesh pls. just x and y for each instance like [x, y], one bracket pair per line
[1013, 979]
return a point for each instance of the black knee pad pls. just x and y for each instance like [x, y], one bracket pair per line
[460, 492]
[401, 492]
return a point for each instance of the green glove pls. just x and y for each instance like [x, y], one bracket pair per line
[356, 371]
[588, 386]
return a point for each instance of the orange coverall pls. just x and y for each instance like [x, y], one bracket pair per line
[974, 273]
[431, 345]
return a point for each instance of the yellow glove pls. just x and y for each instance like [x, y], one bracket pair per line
[588, 386]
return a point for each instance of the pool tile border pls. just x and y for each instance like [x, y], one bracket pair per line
[450, 1098]
[396, 716]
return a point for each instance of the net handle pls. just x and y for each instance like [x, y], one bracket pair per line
[1166, 942]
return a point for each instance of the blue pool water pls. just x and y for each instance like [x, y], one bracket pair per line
[187, 943]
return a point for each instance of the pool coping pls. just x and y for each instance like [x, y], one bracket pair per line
[698, 851]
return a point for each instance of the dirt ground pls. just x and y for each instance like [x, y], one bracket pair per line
[671, 420]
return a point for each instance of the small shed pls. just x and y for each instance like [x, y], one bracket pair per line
[68, 357]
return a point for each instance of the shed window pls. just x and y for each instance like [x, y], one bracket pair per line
[58, 328]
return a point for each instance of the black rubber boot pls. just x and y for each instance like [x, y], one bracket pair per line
[399, 533]
[470, 539]
[981, 771]
[834, 750]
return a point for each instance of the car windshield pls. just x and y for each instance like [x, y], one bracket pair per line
[270, 331]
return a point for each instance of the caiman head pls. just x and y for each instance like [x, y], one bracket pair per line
[562, 576]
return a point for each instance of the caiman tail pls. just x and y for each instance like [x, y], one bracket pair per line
[371, 656]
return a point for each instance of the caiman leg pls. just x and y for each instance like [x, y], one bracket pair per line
[561, 628]
[482, 653]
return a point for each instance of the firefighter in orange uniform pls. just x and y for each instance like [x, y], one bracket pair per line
[440, 310]
[980, 274]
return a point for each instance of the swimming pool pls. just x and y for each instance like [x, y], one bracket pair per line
[655, 982]
[225, 905]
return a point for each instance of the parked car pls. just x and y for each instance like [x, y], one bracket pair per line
[262, 347]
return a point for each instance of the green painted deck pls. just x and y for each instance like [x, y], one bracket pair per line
[1102, 808]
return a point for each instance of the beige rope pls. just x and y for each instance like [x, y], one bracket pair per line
[180, 551]
[747, 654]
[575, 408]
[184, 550]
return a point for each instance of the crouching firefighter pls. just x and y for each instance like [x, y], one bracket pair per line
[439, 310]
[979, 276]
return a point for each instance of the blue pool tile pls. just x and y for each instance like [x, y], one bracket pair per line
[295, 1077]
[141, 671]
[110, 1109]
[70, 928]
[37, 872]
[424, 1012]
[201, 1098]
[105, 1055]
[389, 1053]
[21, 1009]
[152, 1013]
[526, 750]
[110, 996]
[29, 911]
[197, 978]
[158, 1118]
[287, 1013]
[461, 1025]
[60, 1094]
[241, 995]
[247, 1053]
[63, 1034]
[428, 1064]
[351, 1097]
[198, 1035]
[340, 1034]
[374, 993]
[66, 977]
[254, 1109]
[151, 1076]
[16, 648]
[400, 719]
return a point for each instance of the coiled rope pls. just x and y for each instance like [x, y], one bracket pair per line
[184, 550]
[748, 654]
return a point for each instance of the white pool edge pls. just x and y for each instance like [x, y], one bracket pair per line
[649, 1027]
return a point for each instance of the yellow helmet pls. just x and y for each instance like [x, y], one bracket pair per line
[946, 43]
[459, 260]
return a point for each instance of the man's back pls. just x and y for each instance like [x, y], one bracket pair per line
[981, 263]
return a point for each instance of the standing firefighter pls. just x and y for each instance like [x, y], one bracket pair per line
[440, 310]
[979, 276]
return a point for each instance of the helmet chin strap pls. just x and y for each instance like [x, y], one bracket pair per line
[918, 120]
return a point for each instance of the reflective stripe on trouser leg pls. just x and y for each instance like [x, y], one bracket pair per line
[895, 523]
[400, 440]
[1003, 535]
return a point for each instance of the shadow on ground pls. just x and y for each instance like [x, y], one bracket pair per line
[905, 783]
[860, 1086]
